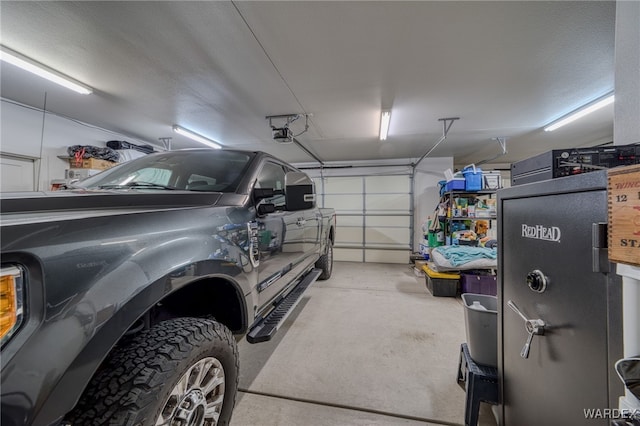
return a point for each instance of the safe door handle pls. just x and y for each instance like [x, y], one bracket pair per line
[516, 310]
[533, 327]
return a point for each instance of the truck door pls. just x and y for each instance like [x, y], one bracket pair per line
[313, 221]
[311, 218]
[280, 238]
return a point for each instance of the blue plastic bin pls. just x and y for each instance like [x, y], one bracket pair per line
[456, 184]
[472, 178]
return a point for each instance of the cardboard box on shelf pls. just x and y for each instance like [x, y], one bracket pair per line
[80, 173]
[56, 184]
[91, 163]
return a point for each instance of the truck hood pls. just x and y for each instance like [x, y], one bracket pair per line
[82, 199]
[21, 207]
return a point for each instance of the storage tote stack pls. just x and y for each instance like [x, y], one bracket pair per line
[441, 284]
[479, 284]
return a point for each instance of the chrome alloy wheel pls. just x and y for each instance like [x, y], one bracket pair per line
[196, 400]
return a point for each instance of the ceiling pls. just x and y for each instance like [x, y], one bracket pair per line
[219, 68]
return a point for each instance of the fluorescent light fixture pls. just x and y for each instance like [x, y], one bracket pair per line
[385, 118]
[580, 112]
[20, 61]
[196, 137]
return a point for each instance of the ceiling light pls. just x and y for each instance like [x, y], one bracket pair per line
[580, 112]
[20, 61]
[196, 137]
[385, 118]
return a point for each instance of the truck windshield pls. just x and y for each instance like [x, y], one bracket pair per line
[192, 170]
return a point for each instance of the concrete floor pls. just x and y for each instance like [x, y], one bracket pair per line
[370, 346]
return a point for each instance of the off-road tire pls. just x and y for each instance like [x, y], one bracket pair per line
[326, 263]
[134, 383]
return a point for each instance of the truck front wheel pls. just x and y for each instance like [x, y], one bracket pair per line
[182, 371]
[325, 263]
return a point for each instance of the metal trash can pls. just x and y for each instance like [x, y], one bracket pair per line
[481, 323]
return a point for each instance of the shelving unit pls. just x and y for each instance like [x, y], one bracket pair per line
[448, 198]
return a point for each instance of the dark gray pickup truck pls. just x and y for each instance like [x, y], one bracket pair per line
[123, 297]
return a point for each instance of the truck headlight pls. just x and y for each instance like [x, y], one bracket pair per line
[11, 301]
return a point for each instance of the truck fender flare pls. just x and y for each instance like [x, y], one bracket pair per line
[66, 393]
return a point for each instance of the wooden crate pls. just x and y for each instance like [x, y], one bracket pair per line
[91, 163]
[624, 215]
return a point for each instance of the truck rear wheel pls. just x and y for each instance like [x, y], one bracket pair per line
[182, 371]
[326, 263]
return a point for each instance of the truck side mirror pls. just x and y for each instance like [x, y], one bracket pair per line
[299, 191]
[261, 193]
[266, 208]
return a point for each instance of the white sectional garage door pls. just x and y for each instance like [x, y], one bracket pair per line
[374, 216]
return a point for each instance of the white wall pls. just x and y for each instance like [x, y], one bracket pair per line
[427, 192]
[626, 125]
[28, 132]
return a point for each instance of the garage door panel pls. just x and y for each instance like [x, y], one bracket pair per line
[318, 183]
[398, 236]
[347, 255]
[388, 202]
[387, 184]
[348, 235]
[386, 256]
[343, 185]
[374, 216]
[344, 220]
[399, 221]
[344, 203]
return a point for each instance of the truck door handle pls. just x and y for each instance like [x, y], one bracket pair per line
[301, 222]
[533, 326]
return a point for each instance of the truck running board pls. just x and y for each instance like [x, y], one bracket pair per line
[265, 328]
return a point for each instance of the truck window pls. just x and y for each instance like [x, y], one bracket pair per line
[197, 181]
[193, 170]
[272, 176]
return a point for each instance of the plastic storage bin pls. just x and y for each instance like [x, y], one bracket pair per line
[434, 239]
[441, 284]
[491, 180]
[479, 284]
[473, 178]
[456, 184]
[482, 327]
